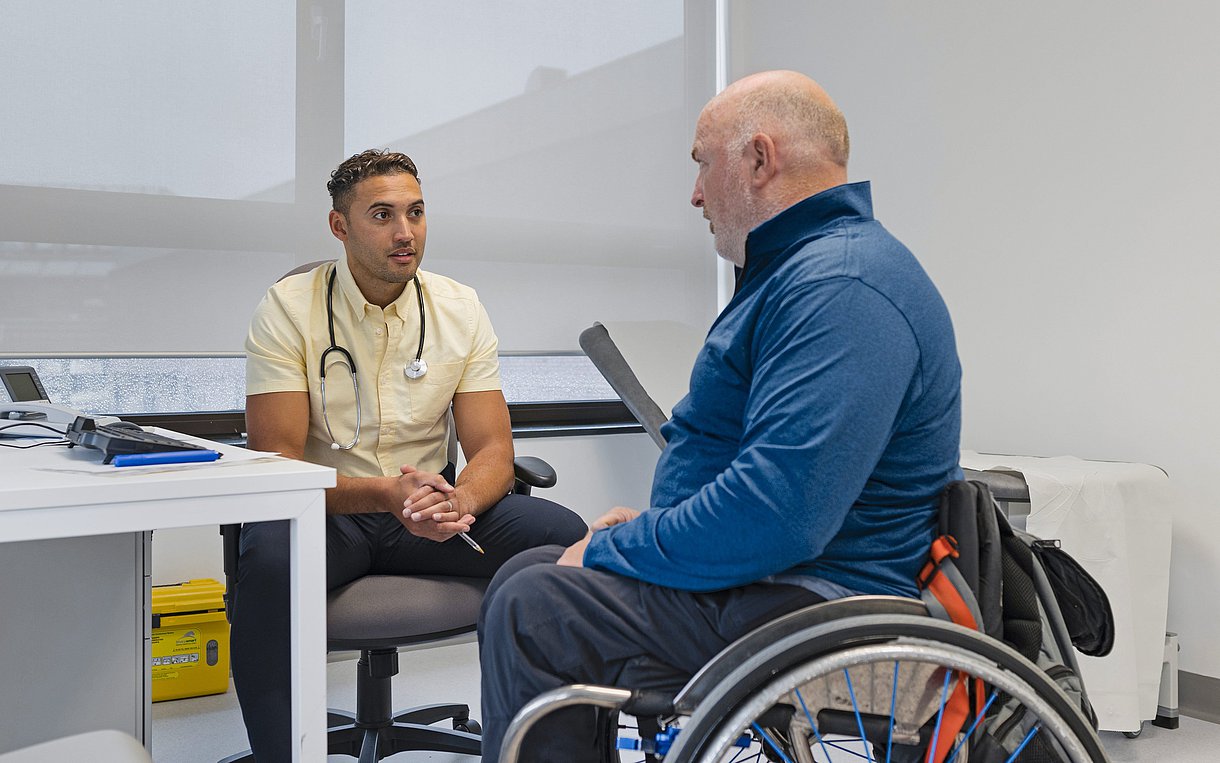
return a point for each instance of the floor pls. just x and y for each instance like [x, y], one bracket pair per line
[206, 729]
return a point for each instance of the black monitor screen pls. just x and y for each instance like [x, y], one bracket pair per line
[22, 387]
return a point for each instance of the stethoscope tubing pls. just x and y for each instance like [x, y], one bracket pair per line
[418, 366]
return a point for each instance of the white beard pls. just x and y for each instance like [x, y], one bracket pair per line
[735, 225]
[731, 244]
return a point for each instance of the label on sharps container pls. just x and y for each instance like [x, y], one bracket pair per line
[175, 650]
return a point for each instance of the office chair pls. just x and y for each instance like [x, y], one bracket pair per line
[361, 616]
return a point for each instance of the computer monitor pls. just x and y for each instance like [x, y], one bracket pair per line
[22, 384]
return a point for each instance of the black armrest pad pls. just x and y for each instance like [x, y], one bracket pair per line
[534, 471]
[231, 543]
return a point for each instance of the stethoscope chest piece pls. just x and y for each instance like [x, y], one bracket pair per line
[415, 369]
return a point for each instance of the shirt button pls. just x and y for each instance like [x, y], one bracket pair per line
[377, 332]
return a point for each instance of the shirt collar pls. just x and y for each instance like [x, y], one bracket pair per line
[345, 283]
[772, 239]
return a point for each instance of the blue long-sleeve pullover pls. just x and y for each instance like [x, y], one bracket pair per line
[822, 422]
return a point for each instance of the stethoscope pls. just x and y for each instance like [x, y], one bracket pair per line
[413, 370]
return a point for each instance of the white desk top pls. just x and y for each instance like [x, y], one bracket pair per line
[56, 477]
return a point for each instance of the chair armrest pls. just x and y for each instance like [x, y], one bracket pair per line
[231, 543]
[531, 472]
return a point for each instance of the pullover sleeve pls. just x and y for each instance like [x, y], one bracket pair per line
[832, 363]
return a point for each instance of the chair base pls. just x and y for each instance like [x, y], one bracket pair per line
[373, 744]
[408, 730]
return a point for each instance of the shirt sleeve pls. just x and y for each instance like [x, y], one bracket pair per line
[832, 363]
[275, 347]
[482, 371]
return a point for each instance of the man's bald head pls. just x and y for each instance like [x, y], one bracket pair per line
[767, 142]
[790, 107]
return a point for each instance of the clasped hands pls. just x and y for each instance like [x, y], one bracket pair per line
[431, 507]
[574, 555]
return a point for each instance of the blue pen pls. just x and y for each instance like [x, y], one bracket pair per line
[166, 457]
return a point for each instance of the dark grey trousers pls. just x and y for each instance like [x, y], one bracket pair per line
[356, 545]
[545, 626]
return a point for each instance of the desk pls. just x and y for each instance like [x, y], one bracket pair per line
[1116, 520]
[95, 524]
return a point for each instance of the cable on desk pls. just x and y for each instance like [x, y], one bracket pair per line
[60, 441]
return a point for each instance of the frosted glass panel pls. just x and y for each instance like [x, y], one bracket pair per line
[150, 97]
[120, 385]
[553, 143]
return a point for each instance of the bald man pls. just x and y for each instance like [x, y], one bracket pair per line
[805, 463]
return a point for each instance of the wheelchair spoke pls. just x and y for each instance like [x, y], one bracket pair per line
[889, 741]
[842, 746]
[812, 724]
[979, 718]
[940, 713]
[855, 706]
[767, 738]
[1032, 732]
[741, 756]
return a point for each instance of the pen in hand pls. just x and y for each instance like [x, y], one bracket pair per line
[471, 542]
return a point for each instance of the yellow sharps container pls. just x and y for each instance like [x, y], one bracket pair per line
[190, 640]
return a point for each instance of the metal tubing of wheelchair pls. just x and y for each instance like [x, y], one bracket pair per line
[915, 649]
[547, 702]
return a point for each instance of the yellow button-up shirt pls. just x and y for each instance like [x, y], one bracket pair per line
[403, 421]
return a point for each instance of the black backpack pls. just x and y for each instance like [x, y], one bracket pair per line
[1019, 589]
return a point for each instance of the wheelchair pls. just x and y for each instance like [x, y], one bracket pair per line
[872, 678]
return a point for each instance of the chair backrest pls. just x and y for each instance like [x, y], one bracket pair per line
[303, 268]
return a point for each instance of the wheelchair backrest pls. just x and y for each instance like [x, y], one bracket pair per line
[984, 575]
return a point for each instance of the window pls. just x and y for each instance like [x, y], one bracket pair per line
[163, 163]
[553, 143]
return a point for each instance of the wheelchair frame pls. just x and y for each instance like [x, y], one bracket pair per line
[766, 673]
[761, 671]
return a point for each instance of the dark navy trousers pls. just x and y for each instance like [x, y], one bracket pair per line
[544, 626]
[356, 545]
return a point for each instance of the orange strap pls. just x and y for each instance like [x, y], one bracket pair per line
[957, 709]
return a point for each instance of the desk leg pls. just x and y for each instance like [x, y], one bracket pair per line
[309, 630]
[1167, 701]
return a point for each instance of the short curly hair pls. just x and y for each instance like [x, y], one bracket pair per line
[366, 164]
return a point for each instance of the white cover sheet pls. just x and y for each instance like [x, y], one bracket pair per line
[1116, 520]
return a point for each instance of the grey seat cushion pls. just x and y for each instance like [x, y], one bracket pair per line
[379, 611]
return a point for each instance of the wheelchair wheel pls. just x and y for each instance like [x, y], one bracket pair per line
[875, 689]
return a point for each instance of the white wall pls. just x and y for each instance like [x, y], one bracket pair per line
[1055, 166]
[595, 474]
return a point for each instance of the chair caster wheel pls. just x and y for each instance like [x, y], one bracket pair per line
[470, 726]
[1132, 734]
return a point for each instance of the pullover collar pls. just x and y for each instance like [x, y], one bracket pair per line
[774, 240]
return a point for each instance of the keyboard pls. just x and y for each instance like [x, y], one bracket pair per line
[121, 439]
